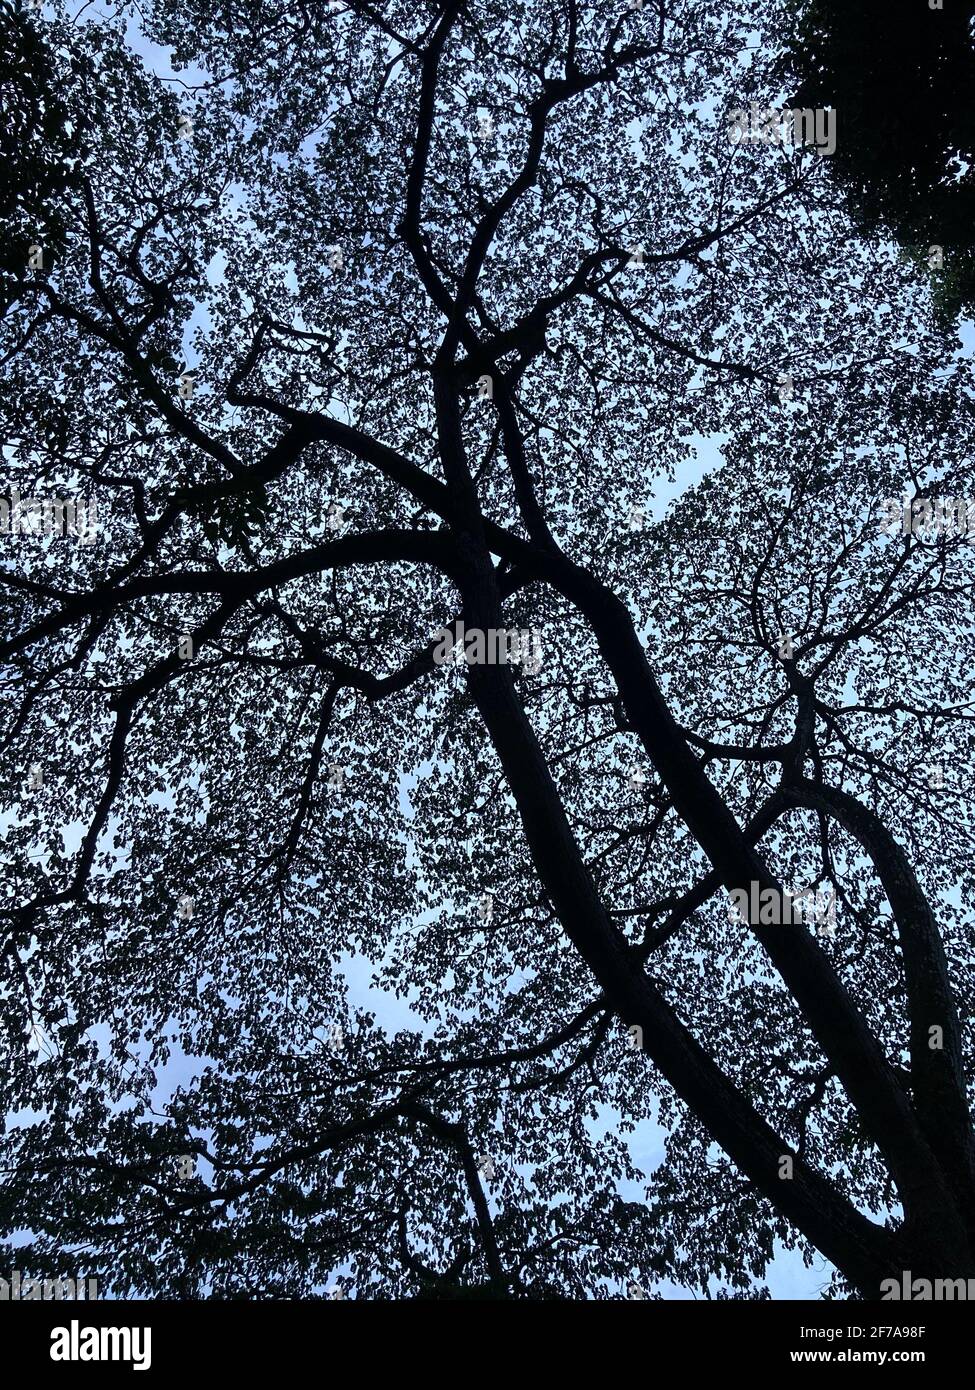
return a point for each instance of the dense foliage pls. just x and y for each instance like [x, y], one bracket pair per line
[396, 315]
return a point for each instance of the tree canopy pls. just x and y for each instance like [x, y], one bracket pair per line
[391, 317]
[903, 72]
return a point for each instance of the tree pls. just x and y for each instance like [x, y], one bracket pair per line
[35, 145]
[395, 321]
[904, 71]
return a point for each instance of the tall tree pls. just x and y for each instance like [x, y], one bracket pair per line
[396, 321]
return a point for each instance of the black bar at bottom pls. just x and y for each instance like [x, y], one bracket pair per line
[217, 1337]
